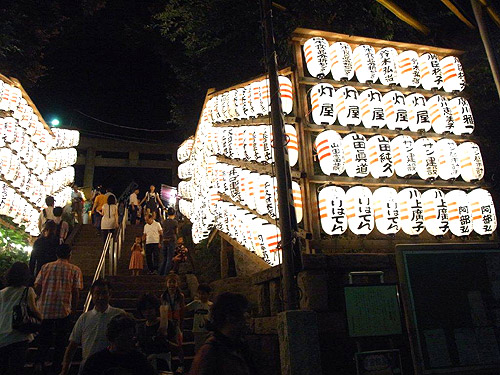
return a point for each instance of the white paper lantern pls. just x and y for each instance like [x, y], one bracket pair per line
[410, 211]
[395, 112]
[341, 61]
[453, 74]
[356, 161]
[5, 96]
[462, 116]
[232, 104]
[316, 56]
[253, 189]
[241, 107]
[484, 218]
[358, 201]
[9, 132]
[347, 106]
[248, 96]
[379, 156]
[328, 145]
[14, 98]
[323, 104]
[261, 201]
[408, 69]
[365, 65]
[372, 111]
[427, 160]
[272, 198]
[271, 237]
[292, 144]
[267, 143]
[249, 143]
[243, 183]
[264, 91]
[403, 156]
[418, 115]
[260, 155]
[440, 114]
[256, 98]
[297, 201]
[386, 210]
[234, 184]
[447, 158]
[237, 145]
[430, 71]
[286, 93]
[459, 213]
[332, 210]
[435, 212]
[471, 161]
[386, 59]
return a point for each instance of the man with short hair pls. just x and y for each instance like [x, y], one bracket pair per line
[77, 200]
[58, 287]
[47, 213]
[90, 329]
[100, 200]
[62, 226]
[170, 228]
[153, 237]
[133, 201]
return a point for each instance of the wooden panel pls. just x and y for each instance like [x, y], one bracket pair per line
[254, 166]
[261, 120]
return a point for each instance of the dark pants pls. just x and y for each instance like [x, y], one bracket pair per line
[152, 255]
[168, 250]
[133, 214]
[53, 332]
[13, 358]
[105, 234]
[97, 220]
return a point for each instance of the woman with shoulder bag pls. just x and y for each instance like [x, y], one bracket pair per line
[13, 342]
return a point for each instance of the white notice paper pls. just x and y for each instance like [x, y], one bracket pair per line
[437, 349]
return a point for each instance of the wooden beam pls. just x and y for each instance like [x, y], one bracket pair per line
[261, 120]
[404, 16]
[451, 6]
[128, 163]
[100, 144]
[491, 11]
[254, 167]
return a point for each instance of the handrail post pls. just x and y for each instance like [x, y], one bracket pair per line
[110, 256]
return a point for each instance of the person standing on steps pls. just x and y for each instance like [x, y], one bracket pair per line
[77, 200]
[201, 307]
[170, 228]
[62, 225]
[133, 202]
[44, 248]
[153, 201]
[109, 213]
[136, 264]
[153, 237]
[100, 200]
[47, 213]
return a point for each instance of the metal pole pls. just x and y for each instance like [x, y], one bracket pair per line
[290, 246]
[478, 13]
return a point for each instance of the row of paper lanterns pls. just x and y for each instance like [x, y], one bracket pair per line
[251, 100]
[393, 109]
[406, 69]
[381, 157]
[61, 158]
[11, 132]
[65, 138]
[407, 210]
[184, 150]
[18, 208]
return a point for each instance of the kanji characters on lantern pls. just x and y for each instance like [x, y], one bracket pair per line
[356, 161]
[471, 161]
[418, 115]
[323, 109]
[427, 160]
[347, 106]
[386, 210]
[430, 71]
[386, 59]
[440, 114]
[453, 74]
[358, 201]
[408, 69]
[435, 212]
[380, 157]
[462, 116]
[365, 64]
[447, 159]
[403, 156]
[332, 210]
[328, 145]
[341, 61]
[372, 111]
[395, 112]
[411, 211]
[459, 213]
[316, 56]
[483, 212]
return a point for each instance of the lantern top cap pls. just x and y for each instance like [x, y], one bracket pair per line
[301, 35]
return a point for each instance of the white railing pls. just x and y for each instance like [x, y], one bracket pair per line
[112, 251]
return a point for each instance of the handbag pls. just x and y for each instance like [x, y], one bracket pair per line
[23, 319]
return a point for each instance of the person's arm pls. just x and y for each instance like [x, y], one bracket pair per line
[68, 357]
[33, 259]
[159, 201]
[191, 305]
[38, 283]
[160, 231]
[143, 199]
[75, 296]
[205, 361]
[32, 303]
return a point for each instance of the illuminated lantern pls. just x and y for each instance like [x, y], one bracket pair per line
[272, 238]
[356, 162]
[297, 201]
[447, 159]
[386, 210]
[260, 201]
[234, 183]
[328, 145]
[395, 112]
[440, 114]
[9, 132]
[232, 105]
[272, 198]
[332, 210]
[241, 107]
[227, 141]
[408, 70]
[430, 71]
[410, 211]
[292, 144]
[257, 238]
[5, 96]
[418, 116]
[266, 102]
[5, 158]
[252, 189]
[267, 144]
[459, 213]
[248, 143]
[403, 156]
[426, 156]
[286, 93]
[358, 202]
[379, 156]
[237, 145]
[471, 161]
[256, 98]
[217, 109]
[435, 212]
[386, 59]
[15, 164]
[365, 65]
[2, 130]
[347, 106]
[372, 111]
[248, 96]
[323, 104]
[15, 98]
[243, 180]
[462, 116]
[225, 106]
[341, 61]
[484, 218]
[453, 74]
[316, 56]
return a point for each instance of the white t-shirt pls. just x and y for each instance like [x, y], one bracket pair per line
[10, 297]
[152, 232]
[201, 314]
[133, 199]
[109, 216]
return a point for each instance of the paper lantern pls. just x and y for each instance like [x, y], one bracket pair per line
[408, 69]
[251, 111]
[5, 96]
[234, 184]
[297, 201]
[386, 210]
[471, 161]
[430, 71]
[347, 106]
[14, 98]
[286, 93]
[260, 155]
[252, 189]
[292, 144]
[272, 198]
[341, 61]
[271, 237]
[356, 161]
[386, 59]
[225, 106]
[462, 116]
[243, 184]
[379, 156]
[372, 111]
[15, 164]
[256, 98]
[418, 115]
[395, 112]
[426, 156]
[447, 159]
[267, 144]
[410, 211]
[403, 156]
[2, 130]
[316, 56]
[241, 103]
[328, 145]
[365, 65]
[459, 213]
[232, 104]
[249, 146]
[484, 219]
[323, 104]
[237, 148]
[435, 212]
[261, 201]
[440, 114]
[9, 132]
[332, 210]
[266, 101]
[358, 201]
[453, 74]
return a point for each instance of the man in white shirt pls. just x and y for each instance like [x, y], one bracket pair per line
[47, 213]
[134, 204]
[90, 329]
[153, 234]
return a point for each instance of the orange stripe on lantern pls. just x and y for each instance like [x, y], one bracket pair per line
[351, 215]
[435, 118]
[454, 218]
[476, 217]
[325, 155]
[373, 161]
[406, 217]
[449, 77]
[323, 216]
[378, 217]
[430, 217]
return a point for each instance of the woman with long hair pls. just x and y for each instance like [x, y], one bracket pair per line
[109, 221]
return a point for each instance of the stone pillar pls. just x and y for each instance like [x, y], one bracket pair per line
[88, 175]
[275, 302]
[133, 157]
[314, 287]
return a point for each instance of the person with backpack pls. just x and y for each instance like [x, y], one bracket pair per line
[62, 229]
[47, 213]
[153, 201]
